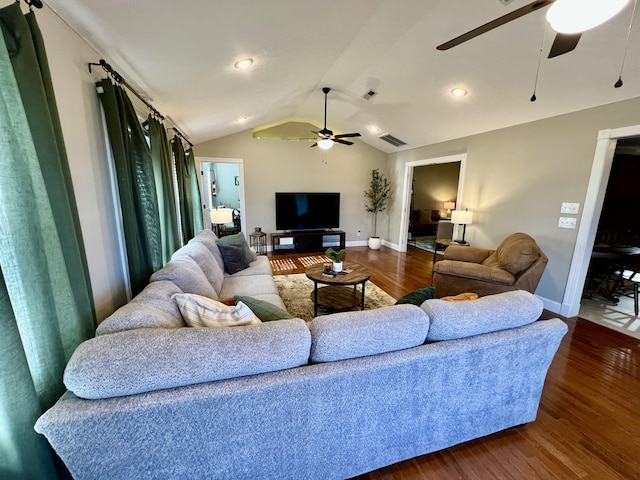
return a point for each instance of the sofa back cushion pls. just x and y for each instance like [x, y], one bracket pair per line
[144, 360]
[187, 275]
[357, 334]
[200, 254]
[451, 320]
[515, 254]
[208, 239]
[153, 307]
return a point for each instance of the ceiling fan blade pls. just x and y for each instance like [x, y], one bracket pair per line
[564, 43]
[517, 13]
[347, 135]
[344, 142]
[315, 144]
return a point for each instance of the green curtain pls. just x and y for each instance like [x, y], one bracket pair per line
[188, 190]
[136, 185]
[46, 306]
[163, 173]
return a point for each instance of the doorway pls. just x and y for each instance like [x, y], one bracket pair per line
[433, 200]
[222, 185]
[600, 171]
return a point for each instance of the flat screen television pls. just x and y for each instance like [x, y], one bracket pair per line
[307, 211]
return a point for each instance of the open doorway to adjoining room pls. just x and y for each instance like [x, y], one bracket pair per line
[432, 189]
[222, 186]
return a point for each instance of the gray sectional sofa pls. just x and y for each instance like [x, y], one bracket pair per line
[344, 394]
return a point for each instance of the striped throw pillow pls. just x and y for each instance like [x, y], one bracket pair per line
[199, 311]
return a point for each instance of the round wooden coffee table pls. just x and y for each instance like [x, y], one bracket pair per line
[338, 295]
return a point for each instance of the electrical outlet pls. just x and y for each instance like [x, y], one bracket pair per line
[572, 208]
[567, 222]
[358, 233]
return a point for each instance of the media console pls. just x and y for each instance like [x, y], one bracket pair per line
[307, 241]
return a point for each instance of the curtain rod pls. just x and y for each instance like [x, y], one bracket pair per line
[119, 79]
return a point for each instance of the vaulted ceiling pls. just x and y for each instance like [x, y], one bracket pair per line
[181, 55]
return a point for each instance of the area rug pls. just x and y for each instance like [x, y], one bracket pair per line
[295, 291]
[427, 242]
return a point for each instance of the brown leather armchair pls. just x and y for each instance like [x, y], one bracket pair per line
[517, 264]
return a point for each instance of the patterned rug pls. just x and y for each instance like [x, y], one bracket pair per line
[295, 291]
[426, 242]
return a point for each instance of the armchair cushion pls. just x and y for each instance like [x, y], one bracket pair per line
[515, 254]
[475, 271]
[466, 254]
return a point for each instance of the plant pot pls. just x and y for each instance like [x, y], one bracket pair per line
[375, 243]
[337, 266]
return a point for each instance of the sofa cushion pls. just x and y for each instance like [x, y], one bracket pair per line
[144, 360]
[450, 320]
[265, 311]
[261, 266]
[515, 254]
[187, 275]
[418, 296]
[199, 311]
[234, 258]
[153, 307]
[357, 334]
[250, 285]
[238, 239]
[199, 253]
[208, 239]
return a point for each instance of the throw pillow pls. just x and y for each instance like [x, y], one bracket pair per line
[199, 311]
[234, 258]
[461, 297]
[265, 311]
[425, 216]
[417, 297]
[238, 239]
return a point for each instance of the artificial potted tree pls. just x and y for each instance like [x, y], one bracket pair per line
[377, 198]
[336, 257]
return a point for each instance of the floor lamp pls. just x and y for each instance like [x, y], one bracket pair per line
[220, 216]
[464, 218]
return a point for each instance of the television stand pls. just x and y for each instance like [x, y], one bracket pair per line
[305, 241]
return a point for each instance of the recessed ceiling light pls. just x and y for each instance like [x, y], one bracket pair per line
[373, 129]
[243, 63]
[242, 119]
[459, 92]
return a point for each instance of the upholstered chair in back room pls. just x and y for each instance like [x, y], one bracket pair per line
[517, 264]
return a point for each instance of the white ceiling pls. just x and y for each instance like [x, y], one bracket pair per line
[181, 53]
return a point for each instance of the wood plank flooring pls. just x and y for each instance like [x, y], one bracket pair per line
[588, 424]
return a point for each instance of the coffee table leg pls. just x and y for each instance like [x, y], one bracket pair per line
[315, 299]
[362, 302]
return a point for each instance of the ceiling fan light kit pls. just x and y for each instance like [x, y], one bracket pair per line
[575, 16]
[325, 144]
[326, 138]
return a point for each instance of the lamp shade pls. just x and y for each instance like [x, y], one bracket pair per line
[575, 16]
[449, 205]
[221, 215]
[462, 217]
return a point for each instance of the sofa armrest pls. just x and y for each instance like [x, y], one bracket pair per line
[474, 271]
[466, 254]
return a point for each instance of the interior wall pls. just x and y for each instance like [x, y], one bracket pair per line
[290, 166]
[81, 118]
[435, 184]
[517, 178]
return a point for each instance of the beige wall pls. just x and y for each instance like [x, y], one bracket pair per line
[516, 179]
[81, 120]
[435, 184]
[288, 166]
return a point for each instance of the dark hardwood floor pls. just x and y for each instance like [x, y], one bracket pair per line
[588, 424]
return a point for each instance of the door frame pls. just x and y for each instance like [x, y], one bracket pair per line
[406, 193]
[600, 171]
[205, 210]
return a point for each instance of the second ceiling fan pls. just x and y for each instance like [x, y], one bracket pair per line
[326, 138]
[566, 39]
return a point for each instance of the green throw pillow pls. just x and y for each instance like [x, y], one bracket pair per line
[238, 239]
[265, 311]
[417, 297]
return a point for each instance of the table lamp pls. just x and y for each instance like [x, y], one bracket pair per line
[449, 206]
[464, 218]
[220, 216]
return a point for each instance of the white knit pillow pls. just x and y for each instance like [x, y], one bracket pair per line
[199, 311]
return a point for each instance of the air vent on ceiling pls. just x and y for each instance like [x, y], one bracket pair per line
[396, 142]
[506, 2]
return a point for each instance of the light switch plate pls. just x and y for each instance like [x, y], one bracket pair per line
[567, 222]
[572, 208]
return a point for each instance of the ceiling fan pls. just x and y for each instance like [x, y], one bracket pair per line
[326, 138]
[564, 10]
